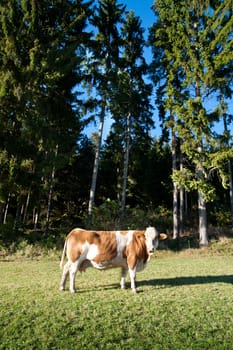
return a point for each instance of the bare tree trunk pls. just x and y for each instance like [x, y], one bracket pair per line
[26, 206]
[95, 167]
[126, 165]
[202, 211]
[231, 189]
[229, 167]
[203, 234]
[175, 189]
[182, 200]
[49, 206]
[6, 208]
[50, 195]
[175, 212]
[36, 216]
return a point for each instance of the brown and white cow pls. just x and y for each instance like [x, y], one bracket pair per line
[130, 250]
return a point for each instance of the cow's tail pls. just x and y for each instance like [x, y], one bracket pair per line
[63, 255]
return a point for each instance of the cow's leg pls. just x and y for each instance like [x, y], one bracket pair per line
[73, 271]
[124, 272]
[132, 273]
[64, 276]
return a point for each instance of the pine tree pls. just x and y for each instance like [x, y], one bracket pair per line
[103, 60]
[130, 104]
[199, 37]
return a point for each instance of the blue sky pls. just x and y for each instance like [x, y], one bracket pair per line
[141, 8]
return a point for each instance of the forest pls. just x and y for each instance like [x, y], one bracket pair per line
[73, 64]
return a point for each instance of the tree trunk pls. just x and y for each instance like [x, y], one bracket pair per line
[182, 200]
[175, 189]
[229, 167]
[6, 208]
[202, 211]
[95, 167]
[126, 166]
[231, 189]
[36, 216]
[50, 195]
[26, 206]
[203, 234]
[49, 206]
[175, 212]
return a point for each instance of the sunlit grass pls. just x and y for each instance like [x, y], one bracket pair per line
[184, 302]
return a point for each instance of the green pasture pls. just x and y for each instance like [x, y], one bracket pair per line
[185, 301]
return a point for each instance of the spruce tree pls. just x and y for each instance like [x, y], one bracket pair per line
[200, 38]
[130, 98]
[103, 60]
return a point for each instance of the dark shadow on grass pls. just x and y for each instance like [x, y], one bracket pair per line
[186, 281]
[162, 283]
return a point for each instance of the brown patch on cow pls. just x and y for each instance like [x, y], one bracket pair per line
[106, 242]
[136, 250]
[75, 240]
[107, 247]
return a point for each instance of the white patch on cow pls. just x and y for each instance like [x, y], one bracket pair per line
[129, 236]
[92, 251]
[151, 239]
[122, 240]
[132, 274]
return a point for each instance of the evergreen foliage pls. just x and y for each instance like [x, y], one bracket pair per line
[190, 39]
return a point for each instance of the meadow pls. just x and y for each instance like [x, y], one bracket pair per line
[184, 301]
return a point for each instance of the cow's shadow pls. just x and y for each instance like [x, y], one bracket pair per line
[185, 281]
[177, 281]
[164, 283]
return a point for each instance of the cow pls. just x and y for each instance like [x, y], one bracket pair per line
[129, 250]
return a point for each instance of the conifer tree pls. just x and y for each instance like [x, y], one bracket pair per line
[200, 38]
[130, 98]
[103, 62]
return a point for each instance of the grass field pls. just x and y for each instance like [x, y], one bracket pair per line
[184, 301]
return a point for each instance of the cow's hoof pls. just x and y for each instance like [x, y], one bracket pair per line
[73, 291]
[134, 291]
[62, 289]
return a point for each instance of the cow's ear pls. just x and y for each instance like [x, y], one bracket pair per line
[162, 236]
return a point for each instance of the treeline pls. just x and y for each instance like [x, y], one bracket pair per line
[65, 64]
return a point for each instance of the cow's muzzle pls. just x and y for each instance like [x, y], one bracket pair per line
[151, 251]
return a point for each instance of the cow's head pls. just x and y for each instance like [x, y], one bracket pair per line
[153, 238]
